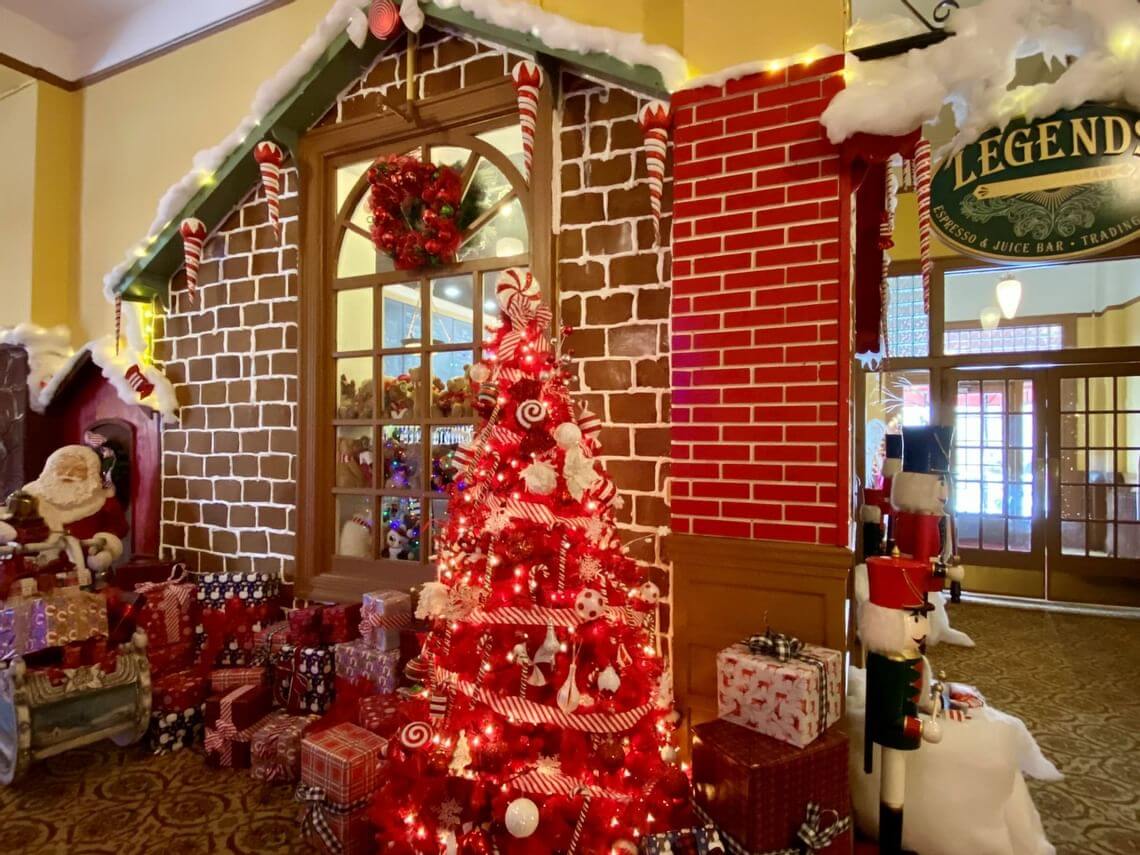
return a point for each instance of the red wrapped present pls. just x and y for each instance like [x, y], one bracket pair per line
[79, 653]
[226, 635]
[268, 641]
[167, 658]
[237, 709]
[340, 829]
[145, 568]
[275, 747]
[340, 623]
[380, 714]
[305, 626]
[179, 690]
[224, 679]
[229, 749]
[343, 761]
[758, 789]
[166, 615]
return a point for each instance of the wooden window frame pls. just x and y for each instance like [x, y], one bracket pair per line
[320, 574]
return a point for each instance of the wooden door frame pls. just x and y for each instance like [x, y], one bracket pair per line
[318, 152]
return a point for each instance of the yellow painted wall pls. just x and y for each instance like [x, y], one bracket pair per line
[17, 202]
[906, 233]
[137, 131]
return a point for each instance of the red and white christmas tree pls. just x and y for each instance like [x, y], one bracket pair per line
[546, 725]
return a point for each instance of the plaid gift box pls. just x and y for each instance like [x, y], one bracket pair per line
[74, 615]
[340, 623]
[23, 626]
[793, 699]
[269, 640]
[179, 690]
[757, 789]
[251, 588]
[166, 615]
[380, 714]
[312, 687]
[168, 658]
[238, 709]
[382, 615]
[360, 659]
[275, 747]
[305, 626]
[703, 840]
[344, 761]
[343, 830]
[174, 730]
[224, 679]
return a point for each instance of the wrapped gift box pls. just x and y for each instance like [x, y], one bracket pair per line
[179, 690]
[23, 626]
[224, 679]
[350, 827]
[144, 568]
[238, 709]
[343, 761]
[382, 615]
[166, 616]
[756, 789]
[340, 623]
[360, 659]
[380, 714]
[275, 747]
[268, 641]
[703, 840]
[74, 615]
[311, 689]
[305, 626]
[168, 658]
[174, 730]
[793, 700]
[250, 588]
[229, 749]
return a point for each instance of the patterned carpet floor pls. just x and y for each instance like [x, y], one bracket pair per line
[1073, 679]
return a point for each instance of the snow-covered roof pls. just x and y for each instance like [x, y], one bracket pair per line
[533, 29]
[972, 70]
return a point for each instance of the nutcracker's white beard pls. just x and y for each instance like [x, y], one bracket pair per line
[881, 629]
[70, 487]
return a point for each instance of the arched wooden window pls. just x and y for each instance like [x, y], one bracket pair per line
[383, 351]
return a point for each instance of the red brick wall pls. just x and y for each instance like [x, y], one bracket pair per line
[760, 326]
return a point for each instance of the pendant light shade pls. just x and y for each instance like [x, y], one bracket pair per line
[1008, 293]
[990, 317]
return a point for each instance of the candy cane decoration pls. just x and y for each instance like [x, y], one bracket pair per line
[270, 157]
[383, 19]
[563, 548]
[528, 80]
[118, 322]
[655, 119]
[589, 424]
[193, 233]
[922, 192]
[886, 242]
[576, 836]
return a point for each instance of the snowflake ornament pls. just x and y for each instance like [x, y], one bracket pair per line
[547, 765]
[450, 813]
[497, 521]
[589, 568]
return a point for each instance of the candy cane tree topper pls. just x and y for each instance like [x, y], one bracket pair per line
[655, 118]
[528, 81]
[193, 233]
[270, 157]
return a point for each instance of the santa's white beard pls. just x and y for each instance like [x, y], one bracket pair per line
[65, 501]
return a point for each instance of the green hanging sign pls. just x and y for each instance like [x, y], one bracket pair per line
[1065, 186]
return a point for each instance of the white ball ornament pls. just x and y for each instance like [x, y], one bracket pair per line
[521, 818]
[568, 435]
[649, 593]
[668, 753]
[589, 604]
[480, 373]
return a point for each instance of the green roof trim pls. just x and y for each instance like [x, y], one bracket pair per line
[342, 63]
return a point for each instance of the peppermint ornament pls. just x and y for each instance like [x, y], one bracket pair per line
[383, 19]
[415, 735]
[530, 414]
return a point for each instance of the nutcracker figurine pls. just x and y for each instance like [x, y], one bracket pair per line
[920, 494]
[893, 625]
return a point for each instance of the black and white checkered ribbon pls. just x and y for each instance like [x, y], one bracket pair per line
[811, 836]
[315, 819]
[787, 647]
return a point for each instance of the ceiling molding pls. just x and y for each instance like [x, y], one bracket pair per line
[169, 46]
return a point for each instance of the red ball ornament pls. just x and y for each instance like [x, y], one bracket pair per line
[673, 782]
[611, 755]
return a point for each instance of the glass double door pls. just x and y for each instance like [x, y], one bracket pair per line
[1046, 483]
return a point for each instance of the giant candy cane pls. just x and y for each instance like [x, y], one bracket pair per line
[922, 192]
[655, 119]
[270, 157]
[528, 82]
[193, 233]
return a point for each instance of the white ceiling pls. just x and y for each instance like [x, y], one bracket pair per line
[77, 38]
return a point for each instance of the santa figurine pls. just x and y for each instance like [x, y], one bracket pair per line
[76, 498]
[893, 626]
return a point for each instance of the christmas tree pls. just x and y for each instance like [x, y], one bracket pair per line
[546, 723]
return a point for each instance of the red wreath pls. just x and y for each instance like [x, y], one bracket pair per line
[414, 210]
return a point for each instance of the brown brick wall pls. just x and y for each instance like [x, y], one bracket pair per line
[229, 467]
[613, 280]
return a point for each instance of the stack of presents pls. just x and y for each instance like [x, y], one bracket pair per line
[303, 696]
[771, 773]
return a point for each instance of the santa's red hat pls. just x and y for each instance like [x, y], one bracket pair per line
[899, 583]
